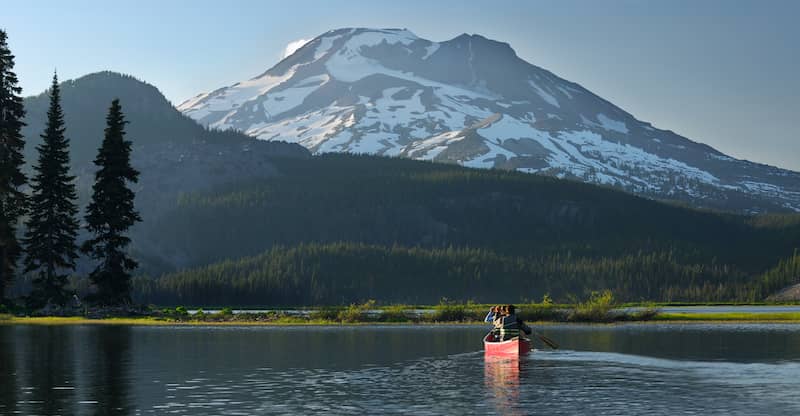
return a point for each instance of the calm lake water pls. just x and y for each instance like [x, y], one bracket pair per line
[625, 369]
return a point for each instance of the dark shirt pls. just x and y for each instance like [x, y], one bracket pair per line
[509, 322]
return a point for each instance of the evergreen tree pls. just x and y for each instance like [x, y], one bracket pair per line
[12, 200]
[111, 213]
[52, 225]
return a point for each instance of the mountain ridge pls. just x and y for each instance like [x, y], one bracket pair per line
[389, 92]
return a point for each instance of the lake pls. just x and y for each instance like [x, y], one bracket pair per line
[635, 369]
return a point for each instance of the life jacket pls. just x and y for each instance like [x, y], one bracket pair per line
[507, 327]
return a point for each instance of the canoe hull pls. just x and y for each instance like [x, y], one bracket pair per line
[516, 347]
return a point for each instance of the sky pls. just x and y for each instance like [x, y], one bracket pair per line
[720, 72]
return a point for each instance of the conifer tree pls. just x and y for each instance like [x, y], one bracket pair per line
[52, 225]
[12, 200]
[111, 213]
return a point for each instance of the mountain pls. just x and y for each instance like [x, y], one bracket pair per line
[472, 101]
[174, 154]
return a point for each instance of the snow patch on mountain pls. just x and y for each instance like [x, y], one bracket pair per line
[545, 95]
[430, 50]
[429, 148]
[611, 124]
[293, 46]
[283, 100]
[223, 100]
[324, 46]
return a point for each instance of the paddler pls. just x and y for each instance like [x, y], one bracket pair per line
[508, 325]
[495, 317]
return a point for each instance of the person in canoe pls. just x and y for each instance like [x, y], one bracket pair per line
[494, 317]
[506, 323]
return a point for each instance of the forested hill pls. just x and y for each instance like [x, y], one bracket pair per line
[153, 121]
[173, 153]
[517, 222]
[340, 273]
[85, 101]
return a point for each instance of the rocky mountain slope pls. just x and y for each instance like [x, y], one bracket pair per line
[474, 102]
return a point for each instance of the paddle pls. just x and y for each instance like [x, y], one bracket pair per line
[550, 343]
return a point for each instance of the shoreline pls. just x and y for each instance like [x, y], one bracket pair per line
[665, 318]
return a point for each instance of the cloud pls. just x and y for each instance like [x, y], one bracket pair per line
[294, 45]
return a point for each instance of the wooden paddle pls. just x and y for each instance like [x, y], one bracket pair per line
[550, 343]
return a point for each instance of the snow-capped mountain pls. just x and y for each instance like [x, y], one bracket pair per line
[473, 101]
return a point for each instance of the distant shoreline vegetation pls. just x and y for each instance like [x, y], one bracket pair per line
[599, 308]
[274, 319]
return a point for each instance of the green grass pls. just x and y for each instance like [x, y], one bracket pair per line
[77, 320]
[665, 304]
[728, 316]
[158, 321]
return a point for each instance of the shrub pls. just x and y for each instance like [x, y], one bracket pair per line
[181, 311]
[226, 311]
[327, 313]
[596, 309]
[540, 312]
[547, 300]
[356, 313]
[648, 312]
[449, 311]
[395, 313]
[200, 314]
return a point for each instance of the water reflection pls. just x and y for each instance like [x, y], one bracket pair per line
[111, 361]
[55, 370]
[46, 354]
[8, 372]
[502, 380]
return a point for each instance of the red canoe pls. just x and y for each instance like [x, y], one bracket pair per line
[515, 347]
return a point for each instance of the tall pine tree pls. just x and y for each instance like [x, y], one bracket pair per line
[12, 200]
[111, 213]
[52, 226]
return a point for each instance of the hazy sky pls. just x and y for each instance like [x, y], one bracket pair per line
[721, 72]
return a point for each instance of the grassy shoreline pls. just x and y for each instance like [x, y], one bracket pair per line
[684, 318]
[599, 308]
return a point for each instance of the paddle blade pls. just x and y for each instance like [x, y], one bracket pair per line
[550, 343]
